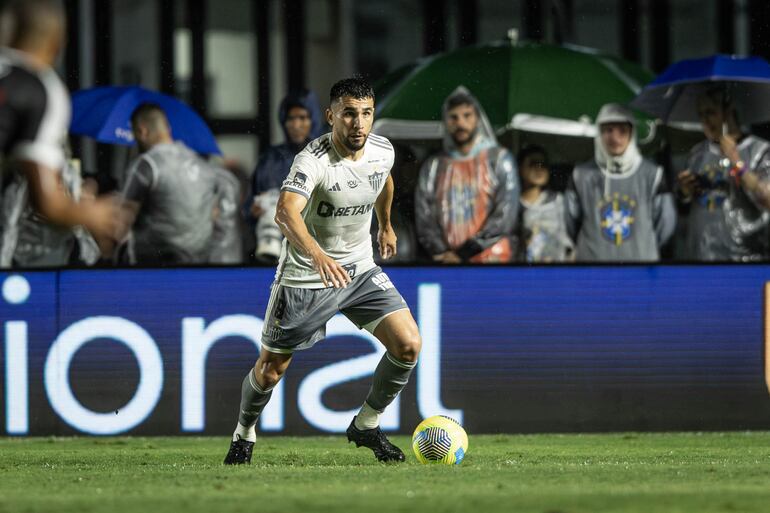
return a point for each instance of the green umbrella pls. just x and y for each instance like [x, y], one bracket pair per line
[531, 87]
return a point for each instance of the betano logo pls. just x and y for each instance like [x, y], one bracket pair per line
[197, 339]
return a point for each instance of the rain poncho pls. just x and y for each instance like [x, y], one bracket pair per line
[542, 233]
[724, 222]
[619, 208]
[468, 203]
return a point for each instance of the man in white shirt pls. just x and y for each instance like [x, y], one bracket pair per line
[327, 266]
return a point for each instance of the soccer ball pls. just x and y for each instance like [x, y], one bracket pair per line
[439, 439]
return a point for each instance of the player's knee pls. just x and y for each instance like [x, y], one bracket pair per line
[408, 348]
[269, 373]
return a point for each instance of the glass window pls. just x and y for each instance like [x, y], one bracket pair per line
[388, 34]
[231, 59]
[693, 29]
[135, 59]
[240, 148]
[497, 18]
[596, 25]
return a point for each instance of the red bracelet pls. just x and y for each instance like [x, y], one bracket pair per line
[737, 171]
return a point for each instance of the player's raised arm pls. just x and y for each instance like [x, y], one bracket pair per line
[288, 216]
[386, 236]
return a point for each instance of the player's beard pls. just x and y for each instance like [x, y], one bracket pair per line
[353, 146]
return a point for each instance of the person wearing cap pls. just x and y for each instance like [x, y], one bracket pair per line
[725, 187]
[467, 196]
[618, 206]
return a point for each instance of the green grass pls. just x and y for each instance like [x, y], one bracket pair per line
[650, 473]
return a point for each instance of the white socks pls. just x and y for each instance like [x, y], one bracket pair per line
[367, 418]
[246, 433]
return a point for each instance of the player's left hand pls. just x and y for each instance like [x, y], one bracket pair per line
[386, 238]
[729, 147]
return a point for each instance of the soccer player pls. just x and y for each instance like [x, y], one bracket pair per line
[34, 117]
[327, 265]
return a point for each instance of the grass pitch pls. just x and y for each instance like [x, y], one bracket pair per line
[714, 472]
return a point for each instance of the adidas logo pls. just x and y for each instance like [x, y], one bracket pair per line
[335, 188]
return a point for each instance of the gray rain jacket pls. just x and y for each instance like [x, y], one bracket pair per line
[619, 208]
[177, 193]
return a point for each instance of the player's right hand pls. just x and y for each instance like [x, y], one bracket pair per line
[332, 274]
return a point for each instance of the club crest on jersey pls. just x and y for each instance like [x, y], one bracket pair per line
[375, 180]
[616, 215]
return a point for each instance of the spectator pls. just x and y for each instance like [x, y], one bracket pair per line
[173, 192]
[300, 117]
[34, 118]
[725, 186]
[542, 234]
[467, 196]
[30, 241]
[226, 244]
[618, 205]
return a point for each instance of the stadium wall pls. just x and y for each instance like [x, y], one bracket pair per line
[506, 349]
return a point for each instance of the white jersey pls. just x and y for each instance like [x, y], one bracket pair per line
[341, 195]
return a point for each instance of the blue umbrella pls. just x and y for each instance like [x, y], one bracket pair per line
[672, 95]
[104, 113]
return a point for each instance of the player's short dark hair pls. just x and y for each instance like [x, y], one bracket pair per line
[29, 20]
[353, 87]
[529, 150]
[148, 114]
[461, 99]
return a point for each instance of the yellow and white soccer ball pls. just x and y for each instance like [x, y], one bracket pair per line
[439, 439]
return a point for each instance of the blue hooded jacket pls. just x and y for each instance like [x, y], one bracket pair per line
[274, 164]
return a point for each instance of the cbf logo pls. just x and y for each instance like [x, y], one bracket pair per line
[375, 180]
[617, 217]
[712, 185]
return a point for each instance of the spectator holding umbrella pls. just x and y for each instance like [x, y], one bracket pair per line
[725, 186]
[618, 206]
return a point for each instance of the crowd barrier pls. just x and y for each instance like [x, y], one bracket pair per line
[505, 349]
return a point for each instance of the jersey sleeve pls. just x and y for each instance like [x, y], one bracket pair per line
[43, 119]
[140, 181]
[303, 176]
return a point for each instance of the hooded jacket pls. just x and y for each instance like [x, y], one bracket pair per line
[619, 208]
[468, 203]
[274, 164]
